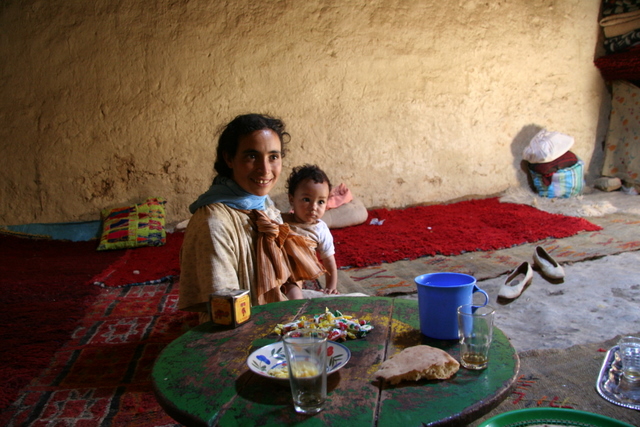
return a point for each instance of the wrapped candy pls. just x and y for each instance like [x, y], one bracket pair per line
[340, 327]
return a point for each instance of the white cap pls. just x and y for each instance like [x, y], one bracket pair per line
[547, 146]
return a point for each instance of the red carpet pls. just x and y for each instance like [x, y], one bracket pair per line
[46, 291]
[101, 374]
[78, 354]
[146, 265]
[44, 295]
[73, 353]
[475, 225]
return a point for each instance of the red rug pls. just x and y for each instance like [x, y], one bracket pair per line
[44, 295]
[475, 225]
[75, 354]
[147, 265]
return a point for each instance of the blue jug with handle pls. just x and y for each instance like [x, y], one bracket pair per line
[439, 296]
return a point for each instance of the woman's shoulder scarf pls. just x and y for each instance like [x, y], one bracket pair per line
[227, 191]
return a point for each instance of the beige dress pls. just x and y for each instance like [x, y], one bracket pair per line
[229, 249]
[218, 253]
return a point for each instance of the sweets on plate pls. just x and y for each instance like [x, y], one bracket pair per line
[340, 327]
[416, 363]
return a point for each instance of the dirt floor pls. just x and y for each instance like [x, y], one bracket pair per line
[598, 299]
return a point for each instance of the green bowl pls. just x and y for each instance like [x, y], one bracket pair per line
[552, 416]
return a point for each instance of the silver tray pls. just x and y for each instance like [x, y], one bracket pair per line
[613, 386]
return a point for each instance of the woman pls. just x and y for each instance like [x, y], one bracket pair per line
[235, 238]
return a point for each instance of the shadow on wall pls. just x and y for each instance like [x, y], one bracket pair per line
[594, 169]
[596, 164]
[518, 145]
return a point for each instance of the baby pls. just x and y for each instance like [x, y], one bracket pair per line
[308, 188]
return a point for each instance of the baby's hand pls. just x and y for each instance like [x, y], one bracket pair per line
[331, 291]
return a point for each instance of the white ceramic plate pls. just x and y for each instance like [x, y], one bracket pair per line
[272, 356]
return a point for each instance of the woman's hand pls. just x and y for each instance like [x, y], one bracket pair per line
[331, 291]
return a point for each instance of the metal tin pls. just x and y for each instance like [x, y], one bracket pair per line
[230, 308]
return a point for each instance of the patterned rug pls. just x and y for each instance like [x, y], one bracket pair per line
[101, 375]
[563, 379]
[44, 294]
[620, 233]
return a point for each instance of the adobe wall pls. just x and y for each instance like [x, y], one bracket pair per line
[106, 103]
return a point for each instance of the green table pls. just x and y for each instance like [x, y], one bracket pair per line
[202, 379]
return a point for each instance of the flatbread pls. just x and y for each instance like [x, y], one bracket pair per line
[416, 363]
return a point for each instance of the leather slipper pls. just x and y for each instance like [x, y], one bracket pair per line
[516, 281]
[549, 266]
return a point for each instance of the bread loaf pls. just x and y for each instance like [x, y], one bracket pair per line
[416, 363]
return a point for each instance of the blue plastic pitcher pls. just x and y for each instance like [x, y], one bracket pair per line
[439, 296]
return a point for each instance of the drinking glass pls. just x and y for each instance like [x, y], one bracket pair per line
[306, 352]
[630, 358]
[475, 331]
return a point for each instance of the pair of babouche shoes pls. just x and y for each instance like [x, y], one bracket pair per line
[521, 277]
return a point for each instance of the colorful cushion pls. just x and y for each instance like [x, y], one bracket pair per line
[142, 224]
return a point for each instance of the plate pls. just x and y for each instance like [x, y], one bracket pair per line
[612, 385]
[272, 356]
[552, 417]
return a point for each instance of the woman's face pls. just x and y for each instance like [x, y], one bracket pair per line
[258, 162]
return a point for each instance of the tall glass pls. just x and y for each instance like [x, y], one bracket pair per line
[475, 331]
[630, 358]
[306, 351]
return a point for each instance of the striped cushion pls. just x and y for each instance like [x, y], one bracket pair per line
[564, 183]
[142, 224]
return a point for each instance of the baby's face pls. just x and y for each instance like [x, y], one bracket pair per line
[309, 201]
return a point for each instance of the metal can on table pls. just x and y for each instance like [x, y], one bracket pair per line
[230, 308]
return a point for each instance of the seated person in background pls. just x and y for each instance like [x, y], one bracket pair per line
[308, 189]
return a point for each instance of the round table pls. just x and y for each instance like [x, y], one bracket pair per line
[202, 378]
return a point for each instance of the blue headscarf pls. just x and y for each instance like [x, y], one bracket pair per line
[227, 191]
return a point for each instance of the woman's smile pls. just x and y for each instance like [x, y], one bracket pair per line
[258, 162]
